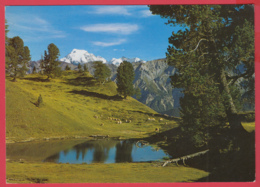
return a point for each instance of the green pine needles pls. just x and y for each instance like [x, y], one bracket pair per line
[50, 62]
[125, 78]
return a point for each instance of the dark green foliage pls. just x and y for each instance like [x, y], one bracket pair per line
[125, 78]
[209, 51]
[67, 68]
[50, 62]
[85, 68]
[250, 117]
[39, 101]
[17, 57]
[102, 72]
[6, 31]
[34, 70]
[137, 93]
[80, 67]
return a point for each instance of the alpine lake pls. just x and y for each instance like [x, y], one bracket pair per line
[86, 151]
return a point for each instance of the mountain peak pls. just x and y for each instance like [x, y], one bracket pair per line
[78, 51]
[81, 56]
[118, 61]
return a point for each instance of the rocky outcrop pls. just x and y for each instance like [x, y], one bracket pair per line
[153, 78]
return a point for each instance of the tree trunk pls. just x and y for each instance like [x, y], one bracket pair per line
[231, 111]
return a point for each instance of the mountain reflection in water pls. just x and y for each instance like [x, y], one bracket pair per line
[106, 151]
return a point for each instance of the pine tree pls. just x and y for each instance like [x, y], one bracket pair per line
[125, 78]
[137, 93]
[102, 72]
[85, 68]
[67, 68]
[17, 57]
[80, 67]
[34, 70]
[50, 62]
[6, 31]
[39, 101]
[215, 41]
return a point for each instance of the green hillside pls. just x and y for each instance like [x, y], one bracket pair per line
[74, 105]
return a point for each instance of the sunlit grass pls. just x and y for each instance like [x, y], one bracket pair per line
[100, 173]
[73, 105]
[249, 126]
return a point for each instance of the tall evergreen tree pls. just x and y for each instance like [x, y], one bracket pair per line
[102, 72]
[215, 42]
[50, 62]
[17, 57]
[6, 31]
[125, 78]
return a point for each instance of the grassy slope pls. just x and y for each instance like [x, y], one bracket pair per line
[70, 106]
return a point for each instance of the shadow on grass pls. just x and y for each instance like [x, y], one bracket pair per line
[97, 95]
[164, 116]
[36, 79]
[34, 103]
[82, 81]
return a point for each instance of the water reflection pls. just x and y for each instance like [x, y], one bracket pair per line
[124, 152]
[106, 151]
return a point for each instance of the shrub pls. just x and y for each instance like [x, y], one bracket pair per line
[250, 117]
[39, 101]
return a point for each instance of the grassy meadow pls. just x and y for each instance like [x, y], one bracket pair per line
[74, 105]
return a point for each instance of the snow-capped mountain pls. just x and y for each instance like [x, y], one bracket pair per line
[118, 61]
[81, 56]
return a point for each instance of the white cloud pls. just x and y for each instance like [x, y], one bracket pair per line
[108, 44]
[146, 13]
[117, 10]
[115, 28]
[118, 49]
[126, 10]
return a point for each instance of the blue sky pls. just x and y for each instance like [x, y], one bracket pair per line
[106, 31]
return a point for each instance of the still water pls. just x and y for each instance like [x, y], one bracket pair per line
[92, 151]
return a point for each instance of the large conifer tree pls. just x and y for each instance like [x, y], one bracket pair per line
[50, 62]
[213, 52]
[125, 78]
[17, 57]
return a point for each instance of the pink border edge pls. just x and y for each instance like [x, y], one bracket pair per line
[124, 2]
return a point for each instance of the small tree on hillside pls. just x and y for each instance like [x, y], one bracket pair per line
[80, 67]
[17, 57]
[34, 70]
[50, 62]
[125, 78]
[85, 68]
[67, 68]
[102, 72]
[137, 93]
[39, 101]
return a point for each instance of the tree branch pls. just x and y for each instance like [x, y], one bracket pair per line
[197, 45]
[235, 78]
[185, 157]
